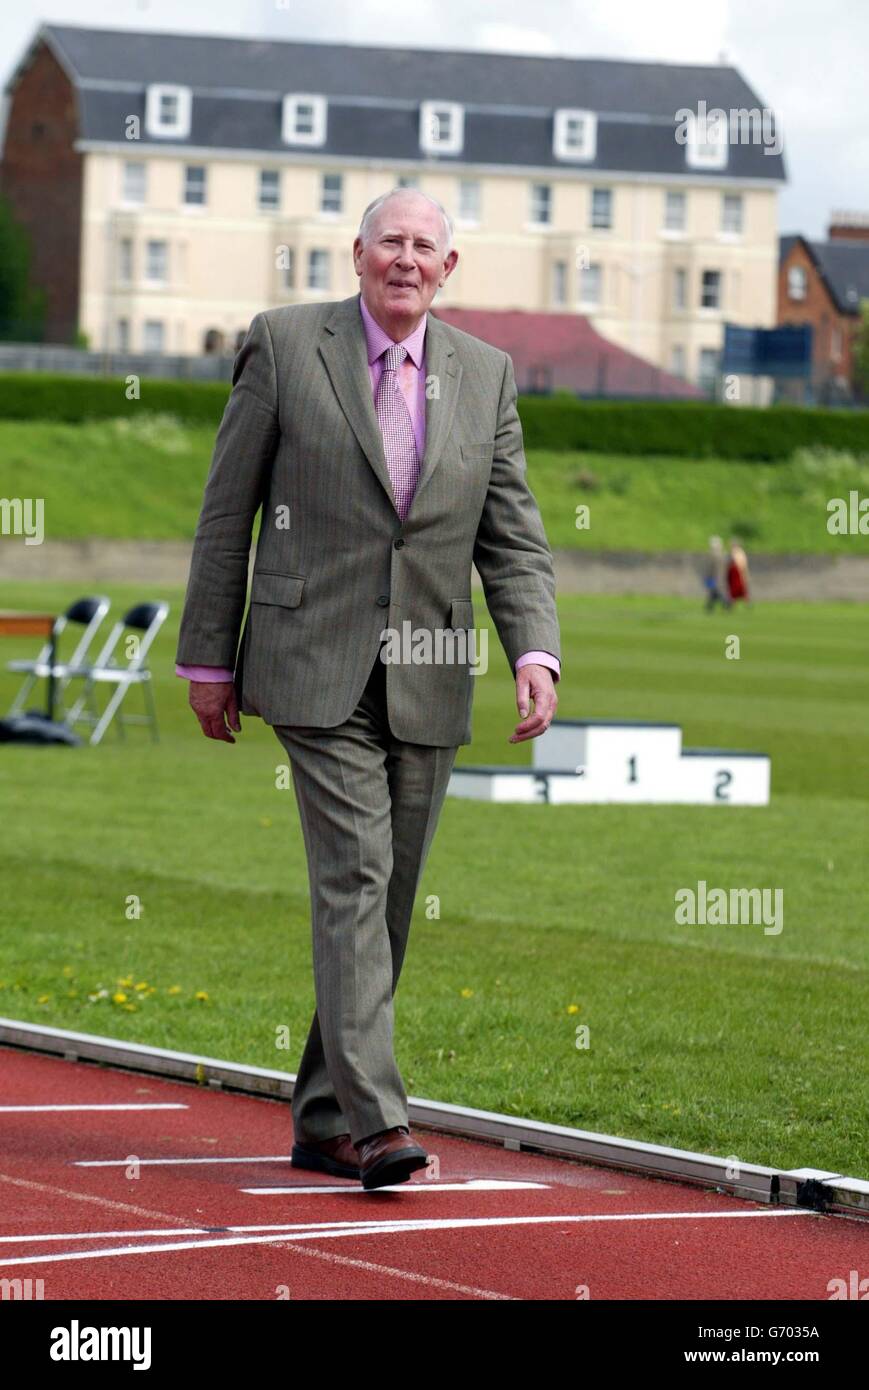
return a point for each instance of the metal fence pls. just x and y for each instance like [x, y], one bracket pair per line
[73, 361]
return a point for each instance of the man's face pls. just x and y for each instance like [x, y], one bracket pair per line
[402, 263]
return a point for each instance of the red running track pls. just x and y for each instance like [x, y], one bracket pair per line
[98, 1204]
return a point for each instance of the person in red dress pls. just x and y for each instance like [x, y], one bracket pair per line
[737, 572]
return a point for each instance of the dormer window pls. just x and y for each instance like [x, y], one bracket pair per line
[574, 134]
[706, 140]
[304, 119]
[167, 111]
[441, 127]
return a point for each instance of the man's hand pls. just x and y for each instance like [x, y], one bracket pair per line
[214, 704]
[534, 682]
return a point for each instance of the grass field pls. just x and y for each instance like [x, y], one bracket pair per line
[141, 478]
[721, 1039]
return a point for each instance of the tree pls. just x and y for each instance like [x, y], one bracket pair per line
[861, 351]
[22, 307]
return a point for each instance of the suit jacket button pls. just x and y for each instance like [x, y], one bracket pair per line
[398, 544]
[383, 600]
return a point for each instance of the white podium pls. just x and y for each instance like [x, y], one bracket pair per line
[626, 761]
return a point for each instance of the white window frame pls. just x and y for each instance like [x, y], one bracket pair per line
[268, 207]
[470, 218]
[738, 199]
[801, 272]
[122, 335]
[710, 154]
[290, 133]
[154, 323]
[326, 261]
[148, 277]
[712, 308]
[533, 219]
[594, 272]
[562, 146]
[432, 143]
[193, 202]
[680, 225]
[180, 127]
[711, 378]
[326, 211]
[600, 226]
[126, 195]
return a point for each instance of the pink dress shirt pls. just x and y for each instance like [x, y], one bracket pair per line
[412, 382]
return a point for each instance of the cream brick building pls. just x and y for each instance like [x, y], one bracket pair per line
[209, 178]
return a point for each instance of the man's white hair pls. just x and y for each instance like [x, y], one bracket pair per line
[371, 211]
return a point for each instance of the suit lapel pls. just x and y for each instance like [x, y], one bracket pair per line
[345, 355]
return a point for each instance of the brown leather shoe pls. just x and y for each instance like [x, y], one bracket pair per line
[389, 1157]
[336, 1156]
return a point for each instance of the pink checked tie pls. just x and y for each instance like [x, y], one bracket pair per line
[396, 426]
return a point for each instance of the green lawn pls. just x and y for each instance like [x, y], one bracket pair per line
[140, 477]
[721, 1039]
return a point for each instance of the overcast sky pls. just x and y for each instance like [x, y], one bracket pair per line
[804, 59]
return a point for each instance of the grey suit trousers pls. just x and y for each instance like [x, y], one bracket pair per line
[368, 804]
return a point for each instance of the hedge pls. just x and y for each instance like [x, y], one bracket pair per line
[693, 429]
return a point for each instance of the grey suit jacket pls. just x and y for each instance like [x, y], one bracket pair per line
[335, 565]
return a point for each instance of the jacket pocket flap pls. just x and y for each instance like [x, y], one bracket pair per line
[484, 449]
[461, 613]
[282, 589]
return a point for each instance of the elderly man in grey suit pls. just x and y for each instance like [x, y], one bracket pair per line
[385, 450]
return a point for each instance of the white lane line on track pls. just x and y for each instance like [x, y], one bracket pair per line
[335, 1229]
[412, 1276]
[124, 1162]
[41, 1109]
[472, 1185]
[28, 1185]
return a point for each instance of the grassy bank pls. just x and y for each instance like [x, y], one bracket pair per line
[141, 478]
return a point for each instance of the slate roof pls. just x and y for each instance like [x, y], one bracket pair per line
[842, 264]
[374, 95]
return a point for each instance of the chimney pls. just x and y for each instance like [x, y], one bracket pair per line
[849, 226]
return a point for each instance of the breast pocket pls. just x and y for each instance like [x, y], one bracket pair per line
[282, 590]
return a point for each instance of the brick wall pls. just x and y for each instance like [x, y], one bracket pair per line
[41, 175]
[819, 310]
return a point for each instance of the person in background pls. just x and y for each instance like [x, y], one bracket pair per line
[737, 572]
[715, 578]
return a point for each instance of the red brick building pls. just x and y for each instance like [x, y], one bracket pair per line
[41, 177]
[823, 283]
